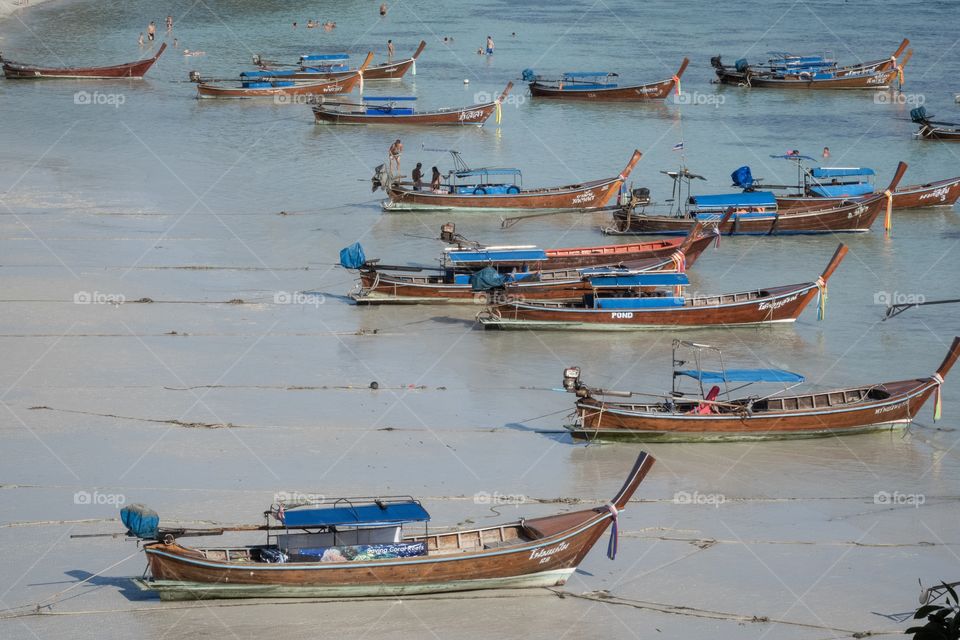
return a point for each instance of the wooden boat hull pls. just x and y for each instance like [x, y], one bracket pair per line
[346, 85]
[619, 421]
[635, 93]
[850, 217]
[879, 79]
[768, 306]
[630, 253]
[930, 132]
[383, 71]
[175, 590]
[133, 70]
[942, 193]
[476, 114]
[580, 197]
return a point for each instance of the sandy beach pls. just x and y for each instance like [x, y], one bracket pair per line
[175, 331]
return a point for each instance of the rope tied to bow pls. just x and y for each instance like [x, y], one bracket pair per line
[821, 298]
[614, 530]
[717, 234]
[888, 219]
[938, 398]
[499, 109]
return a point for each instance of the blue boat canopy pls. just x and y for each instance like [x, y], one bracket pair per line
[742, 375]
[358, 515]
[840, 172]
[640, 280]
[487, 172]
[387, 98]
[267, 74]
[726, 200]
[498, 255]
[794, 156]
[328, 57]
[853, 190]
[588, 74]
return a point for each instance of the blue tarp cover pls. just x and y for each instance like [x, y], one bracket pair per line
[266, 74]
[587, 74]
[725, 200]
[743, 375]
[640, 280]
[352, 257]
[325, 56]
[742, 177]
[357, 515]
[590, 86]
[637, 303]
[140, 521]
[498, 255]
[387, 98]
[843, 190]
[486, 279]
[840, 172]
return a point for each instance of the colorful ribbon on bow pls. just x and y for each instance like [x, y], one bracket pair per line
[938, 398]
[499, 112]
[821, 298]
[716, 232]
[676, 80]
[614, 531]
[888, 220]
[680, 264]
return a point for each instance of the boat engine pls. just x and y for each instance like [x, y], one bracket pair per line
[571, 378]
[379, 178]
[448, 233]
[195, 77]
[716, 63]
[257, 60]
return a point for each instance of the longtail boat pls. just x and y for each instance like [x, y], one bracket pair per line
[134, 70]
[706, 415]
[756, 213]
[877, 74]
[365, 547]
[839, 185]
[499, 189]
[393, 111]
[600, 86]
[934, 130]
[333, 67]
[272, 88]
[629, 302]
[481, 276]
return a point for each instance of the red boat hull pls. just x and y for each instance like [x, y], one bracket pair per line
[134, 70]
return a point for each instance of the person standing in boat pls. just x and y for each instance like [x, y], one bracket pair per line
[396, 150]
[489, 45]
[418, 177]
[435, 181]
[390, 50]
[151, 31]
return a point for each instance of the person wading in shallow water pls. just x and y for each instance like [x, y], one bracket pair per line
[383, 9]
[489, 45]
[396, 149]
[151, 31]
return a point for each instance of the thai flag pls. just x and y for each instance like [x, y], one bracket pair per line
[678, 146]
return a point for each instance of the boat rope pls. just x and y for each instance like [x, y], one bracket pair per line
[499, 112]
[49, 601]
[821, 298]
[685, 610]
[716, 234]
[614, 530]
[938, 398]
[888, 219]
